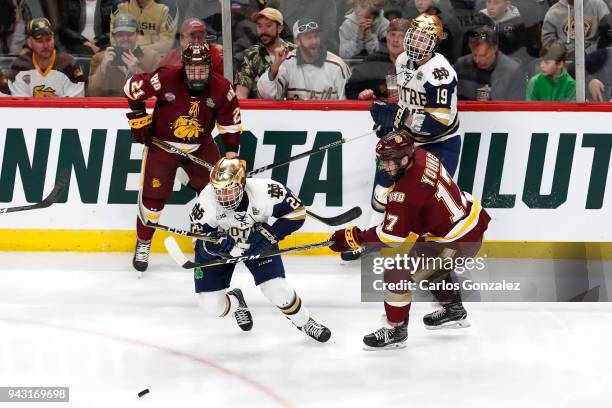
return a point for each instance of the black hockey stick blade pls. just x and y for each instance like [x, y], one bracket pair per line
[339, 219]
[180, 258]
[60, 185]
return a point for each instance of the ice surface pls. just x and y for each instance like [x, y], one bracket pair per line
[85, 321]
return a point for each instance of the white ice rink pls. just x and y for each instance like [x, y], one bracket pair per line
[85, 321]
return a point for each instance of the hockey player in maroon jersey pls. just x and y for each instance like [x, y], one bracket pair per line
[191, 100]
[423, 200]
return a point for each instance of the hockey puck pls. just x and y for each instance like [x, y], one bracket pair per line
[143, 393]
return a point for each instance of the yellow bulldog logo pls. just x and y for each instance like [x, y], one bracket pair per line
[155, 183]
[186, 127]
[41, 92]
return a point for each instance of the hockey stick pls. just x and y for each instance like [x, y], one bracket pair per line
[60, 185]
[308, 153]
[171, 149]
[173, 230]
[332, 221]
[339, 219]
[167, 147]
[180, 258]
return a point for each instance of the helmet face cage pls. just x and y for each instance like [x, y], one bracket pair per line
[419, 44]
[230, 197]
[196, 64]
[390, 151]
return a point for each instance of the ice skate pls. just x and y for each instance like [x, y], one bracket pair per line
[141, 255]
[387, 337]
[449, 316]
[316, 330]
[242, 314]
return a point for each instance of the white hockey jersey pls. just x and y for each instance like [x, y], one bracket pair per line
[63, 77]
[324, 79]
[430, 92]
[265, 198]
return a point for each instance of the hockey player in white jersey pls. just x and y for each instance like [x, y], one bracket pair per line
[237, 210]
[427, 107]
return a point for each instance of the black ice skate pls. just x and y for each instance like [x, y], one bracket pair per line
[387, 337]
[316, 330]
[141, 255]
[449, 316]
[242, 314]
[352, 255]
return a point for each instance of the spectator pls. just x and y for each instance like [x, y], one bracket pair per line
[397, 9]
[244, 30]
[309, 72]
[193, 30]
[598, 66]
[4, 87]
[559, 24]
[449, 22]
[469, 19]
[156, 22]
[322, 11]
[41, 70]
[368, 78]
[110, 68]
[13, 16]
[553, 83]
[507, 22]
[487, 73]
[102, 22]
[70, 26]
[363, 30]
[259, 57]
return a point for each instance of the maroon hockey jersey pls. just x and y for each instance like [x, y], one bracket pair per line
[427, 202]
[182, 118]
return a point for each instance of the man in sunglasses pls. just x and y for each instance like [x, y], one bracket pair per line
[310, 72]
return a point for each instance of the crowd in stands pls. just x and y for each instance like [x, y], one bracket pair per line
[303, 49]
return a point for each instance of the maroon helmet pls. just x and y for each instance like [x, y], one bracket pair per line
[196, 63]
[393, 147]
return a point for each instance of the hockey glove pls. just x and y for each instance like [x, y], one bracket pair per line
[262, 239]
[141, 125]
[346, 239]
[201, 255]
[388, 117]
[222, 247]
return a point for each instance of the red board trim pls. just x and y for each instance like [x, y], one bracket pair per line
[254, 104]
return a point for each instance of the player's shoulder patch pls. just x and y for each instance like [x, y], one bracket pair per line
[268, 188]
[439, 70]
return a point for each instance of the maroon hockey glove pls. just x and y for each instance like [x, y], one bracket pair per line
[346, 239]
[141, 125]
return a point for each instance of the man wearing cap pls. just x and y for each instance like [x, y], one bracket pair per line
[193, 30]
[43, 71]
[110, 68]
[488, 74]
[157, 22]
[309, 72]
[260, 56]
[368, 79]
